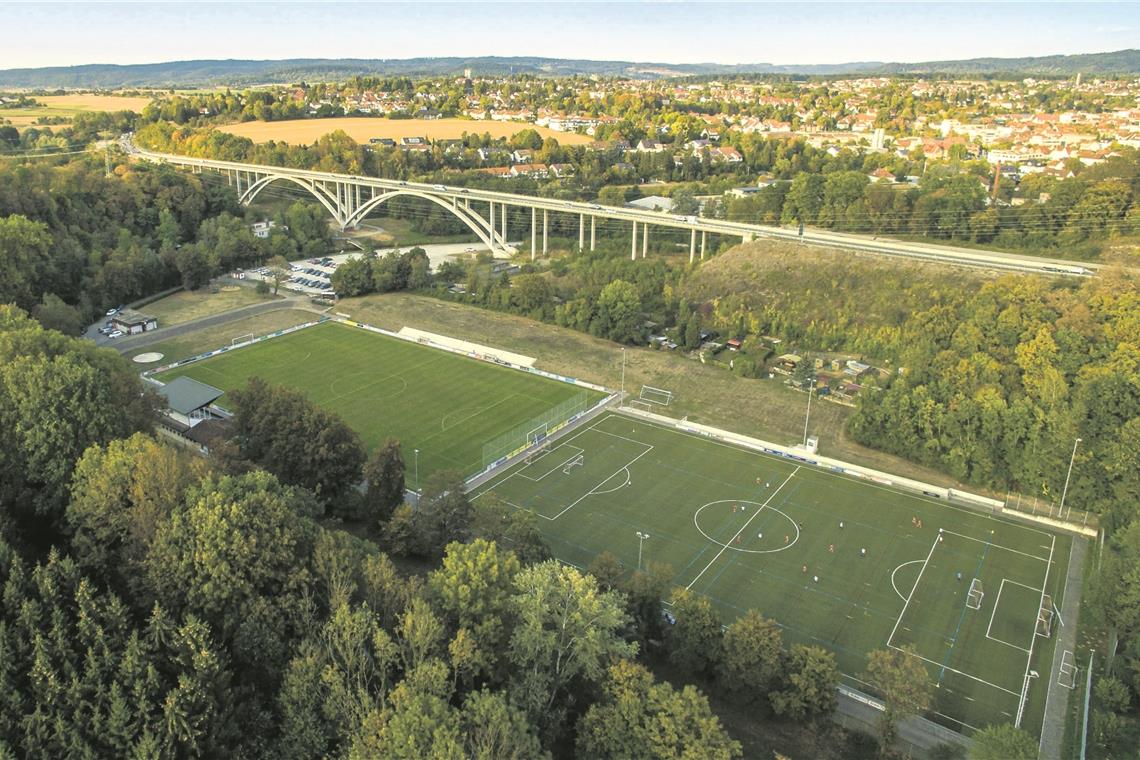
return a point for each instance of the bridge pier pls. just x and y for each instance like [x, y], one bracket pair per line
[645, 240]
[581, 232]
[533, 232]
[593, 229]
[491, 228]
[692, 244]
[704, 239]
[633, 244]
[545, 231]
[504, 225]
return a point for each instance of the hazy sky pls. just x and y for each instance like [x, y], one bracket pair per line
[58, 34]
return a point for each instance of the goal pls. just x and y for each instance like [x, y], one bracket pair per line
[637, 403]
[1067, 673]
[975, 595]
[539, 452]
[577, 461]
[658, 396]
[241, 339]
[1045, 617]
[537, 435]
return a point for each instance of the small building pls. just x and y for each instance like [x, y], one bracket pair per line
[188, 401]
[652, 203]
[733, 344]
[133, 322]
[262, 229]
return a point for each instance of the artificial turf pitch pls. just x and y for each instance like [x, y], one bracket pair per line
[749, 530]
[443, 404]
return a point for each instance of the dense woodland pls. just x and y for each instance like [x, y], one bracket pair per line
[160, 605]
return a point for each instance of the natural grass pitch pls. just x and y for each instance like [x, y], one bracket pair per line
[443, 404]
[755, 531]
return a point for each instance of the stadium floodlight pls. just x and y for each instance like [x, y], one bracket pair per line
[622, 397]
[640, 542]
[417, 469]
[1065, 490]
[808, 415]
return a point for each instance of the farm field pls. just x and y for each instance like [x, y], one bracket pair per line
[306, 131]
[67, 106]
[446, 405]
[753, 531]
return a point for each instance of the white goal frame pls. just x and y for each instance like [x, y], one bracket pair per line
[637, 403]
[242, 339]
[658, 396]
[1067, 671]
[577, 461]
[538, 435]
[1045, 617]
[975, 595]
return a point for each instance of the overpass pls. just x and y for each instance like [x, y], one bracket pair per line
[349, 199]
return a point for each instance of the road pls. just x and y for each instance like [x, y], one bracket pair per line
[336, 193]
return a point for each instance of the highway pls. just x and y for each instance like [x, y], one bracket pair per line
[322, 185]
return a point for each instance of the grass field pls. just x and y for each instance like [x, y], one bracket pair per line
[755, 531]
[188, 305]
[209, 338]
[447, 406]
[306, 131]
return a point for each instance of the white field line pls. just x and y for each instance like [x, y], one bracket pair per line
[493, 482]
[599, 485]
[1003, 548]
[1033, 639]
[762, 455]
[993, 614]
[728, 543]
[900, 567]
[913, 588]
[952, 670]
[577, 452]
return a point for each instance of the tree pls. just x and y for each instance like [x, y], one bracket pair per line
[443, 513]
[693, 332]
[494, 729]
[900, 677]
[280, 271]
[25, 260]
[612, 195]
[640, 719]
[607, 570]
[695, 641]
[303, 444]
[753, 655]
[530, 292]
[354, 277]
[808, 684]
[566, 629]
[194, 266]
[54, 314]
[384, 480]
[619, 313]
[1003, 741]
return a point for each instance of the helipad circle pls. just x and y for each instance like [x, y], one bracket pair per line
[148, 358]
[794, 533]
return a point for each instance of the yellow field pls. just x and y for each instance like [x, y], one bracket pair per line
[69, 105]
[306, 131]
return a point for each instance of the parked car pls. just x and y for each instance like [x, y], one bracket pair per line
[112, 312]
[116, 334]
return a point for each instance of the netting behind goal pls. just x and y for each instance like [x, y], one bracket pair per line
[534, 430]
[1067, 672]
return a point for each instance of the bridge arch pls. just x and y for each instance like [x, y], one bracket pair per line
[464, 215]
[263, 182]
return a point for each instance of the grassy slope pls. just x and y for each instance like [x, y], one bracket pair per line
[200, 341]
[186, 306]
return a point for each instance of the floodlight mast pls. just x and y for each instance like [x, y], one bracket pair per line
[1065, 490]
[640, 543]
[807, 417]
[622, 398]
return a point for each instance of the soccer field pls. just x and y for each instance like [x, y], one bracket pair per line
[749, 530]
[446, 405]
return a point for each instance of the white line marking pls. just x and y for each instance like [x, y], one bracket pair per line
[755, 514]
[914, 588]
[952, 670]
[998, 546]
[1033, 641]
[563, 463]
[628, 479]
[997, 601]
[599, 485]
[900, 567]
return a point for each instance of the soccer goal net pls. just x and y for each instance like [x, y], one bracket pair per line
[1045, 617]
[577, 461]
[241, 339]
[975, 595]
[538, 434]
[535, 430]
[657, 396]
[637, 403]
[1067, 673]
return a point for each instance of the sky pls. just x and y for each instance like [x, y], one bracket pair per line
[64, 34]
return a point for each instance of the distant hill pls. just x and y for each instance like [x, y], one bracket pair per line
[243, 72]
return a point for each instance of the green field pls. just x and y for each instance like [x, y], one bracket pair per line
[749, 530]
[446, 405]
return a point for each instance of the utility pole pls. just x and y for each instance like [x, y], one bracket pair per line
[417, 469]
[622, 397]
[1065, 490]
[640, 542]
[807, 417]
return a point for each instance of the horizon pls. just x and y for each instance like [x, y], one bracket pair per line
[77, 34]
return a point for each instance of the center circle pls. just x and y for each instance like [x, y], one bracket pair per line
[752, 540]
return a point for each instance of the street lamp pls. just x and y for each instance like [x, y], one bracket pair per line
[623, 376]
[807, 417]
[417, 469]
[640, 542]
[1065, 490]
